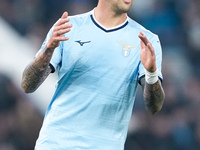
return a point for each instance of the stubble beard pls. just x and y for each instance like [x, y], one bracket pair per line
[119, 9]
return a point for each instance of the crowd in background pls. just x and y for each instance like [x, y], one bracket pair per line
[20, 121]
[176, 22]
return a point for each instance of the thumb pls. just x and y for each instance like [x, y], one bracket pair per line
[64, 15]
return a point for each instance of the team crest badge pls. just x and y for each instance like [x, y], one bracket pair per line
[126, 49]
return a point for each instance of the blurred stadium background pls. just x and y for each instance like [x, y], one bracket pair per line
[23, 27]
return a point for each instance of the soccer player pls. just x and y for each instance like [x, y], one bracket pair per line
[101, 56]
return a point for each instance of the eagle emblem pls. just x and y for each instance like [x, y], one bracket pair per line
[126, 49]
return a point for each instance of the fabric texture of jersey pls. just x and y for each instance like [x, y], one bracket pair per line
[98, 74]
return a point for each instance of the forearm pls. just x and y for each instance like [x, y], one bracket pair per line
[153, 96]
[37, 71]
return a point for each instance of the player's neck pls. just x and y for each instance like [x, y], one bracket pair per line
[108, 18]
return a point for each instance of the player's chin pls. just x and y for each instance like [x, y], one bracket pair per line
[126, 7]
[123, 9]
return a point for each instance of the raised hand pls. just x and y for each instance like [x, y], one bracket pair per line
[147, 54]
[60, 28]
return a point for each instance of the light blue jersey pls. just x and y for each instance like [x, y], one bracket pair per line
[98, 74]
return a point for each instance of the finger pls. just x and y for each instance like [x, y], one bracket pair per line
[62, 21]
[150, 47]
[64, 15]
[64, 26]
[141, 33]
[143, 38]
[61, 38]
[142, 44]
[62, 32]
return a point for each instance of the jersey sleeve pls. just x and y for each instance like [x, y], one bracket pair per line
[158, 52]
[56, 57]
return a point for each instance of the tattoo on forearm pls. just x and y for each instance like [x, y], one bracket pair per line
[153, 96]
[37, 71]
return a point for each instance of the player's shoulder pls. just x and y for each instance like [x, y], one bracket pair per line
[139, 27]
[79, 18]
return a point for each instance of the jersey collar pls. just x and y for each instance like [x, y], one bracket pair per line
[107, 29]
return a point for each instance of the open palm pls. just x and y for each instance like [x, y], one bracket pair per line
[147, 54]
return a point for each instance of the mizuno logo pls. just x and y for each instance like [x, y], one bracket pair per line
[126, 49]
[82, 43]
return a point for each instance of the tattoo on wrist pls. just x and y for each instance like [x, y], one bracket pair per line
[153, 96]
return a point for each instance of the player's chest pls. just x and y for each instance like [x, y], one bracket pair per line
[100, 49]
